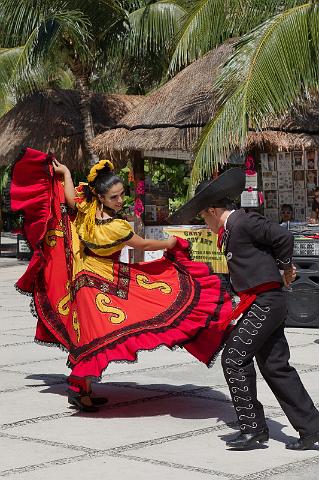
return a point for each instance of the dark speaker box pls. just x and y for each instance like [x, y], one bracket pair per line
[303, 298]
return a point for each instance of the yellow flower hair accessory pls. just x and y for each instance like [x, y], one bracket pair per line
[99, 166]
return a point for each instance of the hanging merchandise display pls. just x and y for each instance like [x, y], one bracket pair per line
[289, 178]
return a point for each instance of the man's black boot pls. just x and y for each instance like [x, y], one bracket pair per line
[304, 443]
[245, 441]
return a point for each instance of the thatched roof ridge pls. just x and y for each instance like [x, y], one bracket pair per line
[173, 115]
[50, 120]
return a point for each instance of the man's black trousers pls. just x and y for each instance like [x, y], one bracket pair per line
[260, 334]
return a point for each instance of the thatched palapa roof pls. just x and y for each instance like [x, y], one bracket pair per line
[298, 129]
[51, 120]
[172, 117]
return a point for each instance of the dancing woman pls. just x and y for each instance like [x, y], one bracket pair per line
[90, 303]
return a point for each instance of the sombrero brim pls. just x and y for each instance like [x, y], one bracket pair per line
[226, 187]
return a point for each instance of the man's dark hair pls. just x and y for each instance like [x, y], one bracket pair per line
[286, 206]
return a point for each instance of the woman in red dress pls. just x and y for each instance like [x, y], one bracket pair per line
[90, 303]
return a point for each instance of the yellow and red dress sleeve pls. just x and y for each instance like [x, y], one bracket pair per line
[80, 201]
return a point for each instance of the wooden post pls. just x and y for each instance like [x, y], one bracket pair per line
[139, 176]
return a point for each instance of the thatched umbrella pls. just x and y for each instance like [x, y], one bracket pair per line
[171, 118]
[51, 120]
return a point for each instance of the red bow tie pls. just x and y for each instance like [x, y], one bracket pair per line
[220, 238]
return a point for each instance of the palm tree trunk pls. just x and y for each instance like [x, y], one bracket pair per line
[82, 86]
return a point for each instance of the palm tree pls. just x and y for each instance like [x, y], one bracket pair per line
[60, 33]
[85, 37]
[273, 67]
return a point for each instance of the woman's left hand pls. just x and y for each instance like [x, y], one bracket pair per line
[171, 242]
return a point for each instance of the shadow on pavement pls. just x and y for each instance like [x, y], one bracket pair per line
[189, 401]
[130, 399]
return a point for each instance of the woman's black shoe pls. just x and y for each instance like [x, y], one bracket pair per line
[304, 443]
[245, 441]
[83, 403]
[98, 401]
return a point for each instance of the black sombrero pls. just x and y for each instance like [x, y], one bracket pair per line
[212, 193]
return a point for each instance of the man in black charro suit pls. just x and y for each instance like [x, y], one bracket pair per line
[259, 258]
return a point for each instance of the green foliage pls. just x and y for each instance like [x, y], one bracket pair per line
[106, 40]
[173, 175]
[274, 66]
[129, 198]
[4, 178]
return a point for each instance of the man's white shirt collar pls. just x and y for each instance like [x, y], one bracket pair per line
[225, 224]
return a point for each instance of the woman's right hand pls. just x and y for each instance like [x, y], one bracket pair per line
[59, 168]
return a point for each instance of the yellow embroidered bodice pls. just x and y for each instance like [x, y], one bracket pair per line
[107, 237]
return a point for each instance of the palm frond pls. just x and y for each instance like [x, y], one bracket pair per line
[18, 78]
[103, 15]
[72, 28]
[211, 22]
[16, 22]
[47, 25]
[153, 26]
[273, 67]
[8, 61]
[222, 135]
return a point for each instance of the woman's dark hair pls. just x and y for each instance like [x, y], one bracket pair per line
[104, 180]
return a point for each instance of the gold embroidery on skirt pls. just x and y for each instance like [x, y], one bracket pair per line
[51, 236]
[76, 326]
[102, 302]
[63, 305]
[145, 282]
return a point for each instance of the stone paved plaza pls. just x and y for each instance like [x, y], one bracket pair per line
[167, 418]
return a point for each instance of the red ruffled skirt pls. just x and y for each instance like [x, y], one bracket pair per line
[172, 301]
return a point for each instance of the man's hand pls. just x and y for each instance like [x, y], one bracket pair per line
[289, 276]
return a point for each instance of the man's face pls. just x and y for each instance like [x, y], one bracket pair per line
[286, 215]
[211, 218]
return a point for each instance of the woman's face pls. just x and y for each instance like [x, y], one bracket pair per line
[114, 197]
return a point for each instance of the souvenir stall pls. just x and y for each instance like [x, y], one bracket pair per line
[289, 178]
